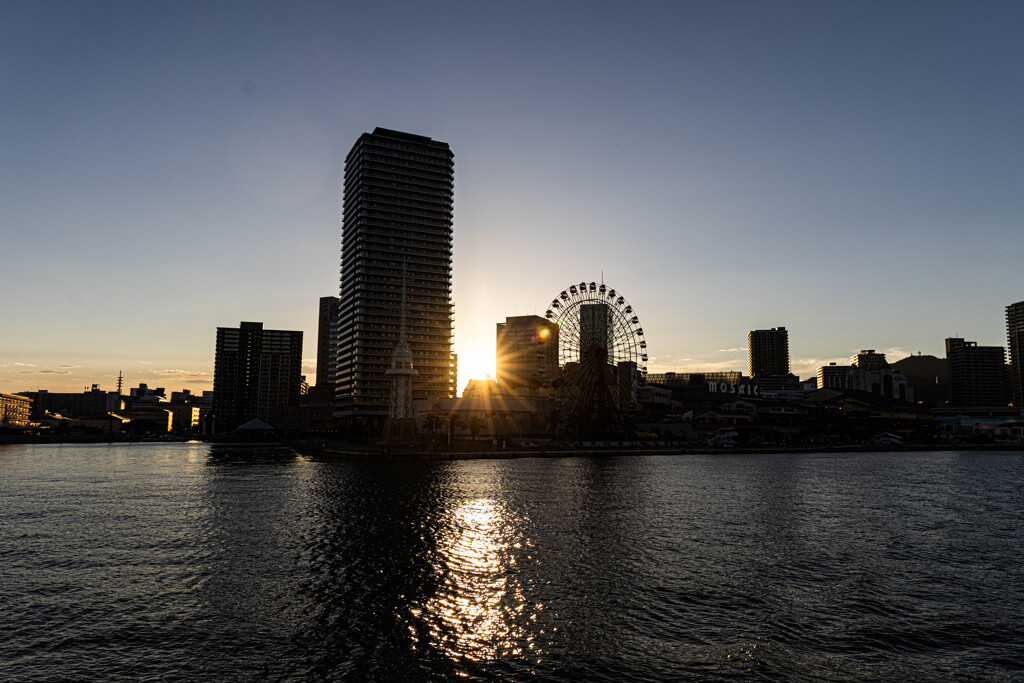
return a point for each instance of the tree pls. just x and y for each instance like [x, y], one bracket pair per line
[432, 423]
[476, 425]
[455, 423]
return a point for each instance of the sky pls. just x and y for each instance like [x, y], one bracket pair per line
[853, 171]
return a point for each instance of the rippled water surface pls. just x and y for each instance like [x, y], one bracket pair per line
[186, 561]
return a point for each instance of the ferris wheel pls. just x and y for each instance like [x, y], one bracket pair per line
[602, 352]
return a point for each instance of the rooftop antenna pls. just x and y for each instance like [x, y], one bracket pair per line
[120, 380]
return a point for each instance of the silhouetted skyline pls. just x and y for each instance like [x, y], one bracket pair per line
[848, 171]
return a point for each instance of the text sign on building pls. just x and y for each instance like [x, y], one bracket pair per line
[734, 389]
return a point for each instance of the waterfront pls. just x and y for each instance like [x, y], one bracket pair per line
[192, 561]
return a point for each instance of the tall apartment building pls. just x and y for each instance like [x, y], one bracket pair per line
[397, 216]
[255, 371]
[768, 352]
[527, 354]
[326, 349]
[977, 374]
[1015, 344]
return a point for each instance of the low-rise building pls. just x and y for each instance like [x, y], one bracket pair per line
[73, 405]
[150, 420]
[501, 416]
[15, 410]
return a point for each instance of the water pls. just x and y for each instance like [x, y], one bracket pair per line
[185, 562]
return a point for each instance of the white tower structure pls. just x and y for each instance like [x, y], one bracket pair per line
[400, 427]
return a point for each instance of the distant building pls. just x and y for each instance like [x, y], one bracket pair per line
[326, 348]
[255, 371]
[929, 376]
[652, 395]
[834, 376]
[143, 390]
[768, 352]
[868, 359]
[680, 379]
[977, 374]
[874, 376]
[15, 410]
[481, 388]
[150, 420]
[184, 417]
[526, 354]
[73, 405]
[1015, 344]
[397, 219]
[499, 417]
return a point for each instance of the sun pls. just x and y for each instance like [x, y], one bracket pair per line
[476, 363]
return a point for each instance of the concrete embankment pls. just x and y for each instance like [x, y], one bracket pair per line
[377, 453]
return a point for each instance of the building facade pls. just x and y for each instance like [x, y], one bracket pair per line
[676, 379]
[255, 371]
[15, 410]
[977, 374]
[73, 405]
[873, 375]
[834, 376]
[526, 349]
[1015, 344]
[869, 359]
[768, 352]
[326, 349]
[397, 217]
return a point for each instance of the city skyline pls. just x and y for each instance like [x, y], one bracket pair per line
[851, 173]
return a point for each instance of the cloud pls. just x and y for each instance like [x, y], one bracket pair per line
[71, 366]
[144, 362]
[196, 375]
[894, 354]
[733, 350]
[25, 365]
[44, 372]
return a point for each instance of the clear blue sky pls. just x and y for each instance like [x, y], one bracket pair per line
[853, 171]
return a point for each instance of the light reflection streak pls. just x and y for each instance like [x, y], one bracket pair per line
[478, 611]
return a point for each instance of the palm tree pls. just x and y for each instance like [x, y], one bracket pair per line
[476, 425]
[432, 423]
[455, 423]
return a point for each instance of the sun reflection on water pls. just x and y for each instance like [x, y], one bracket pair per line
[478, 611]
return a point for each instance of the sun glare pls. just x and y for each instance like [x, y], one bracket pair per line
[475, 364]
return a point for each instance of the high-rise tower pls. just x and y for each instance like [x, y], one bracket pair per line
[326, 349]
[976, 374]
[397, 209]
[1015, 344]
[255, 371]
[768, 352]
[526, 354]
